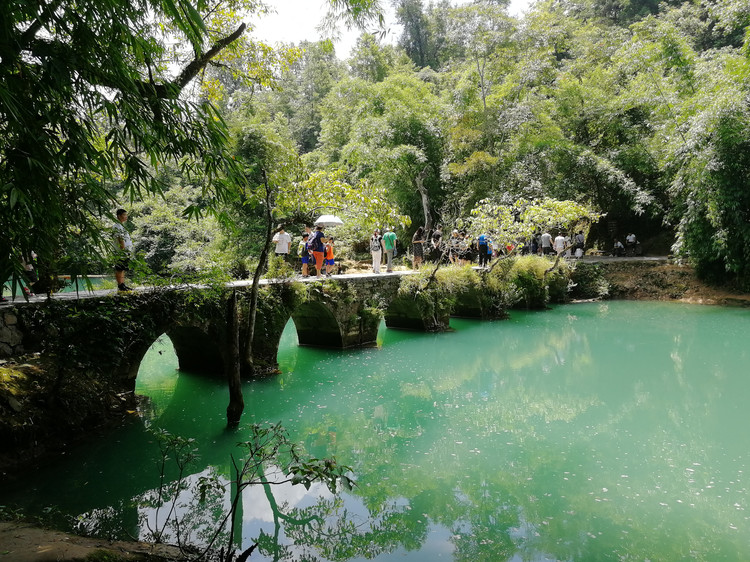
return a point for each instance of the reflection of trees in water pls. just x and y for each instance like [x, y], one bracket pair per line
[549, 429]
[597, 451]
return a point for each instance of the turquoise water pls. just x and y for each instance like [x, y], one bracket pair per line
[597, 431]
[97, 282]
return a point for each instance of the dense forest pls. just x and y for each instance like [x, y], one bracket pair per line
[636, 109]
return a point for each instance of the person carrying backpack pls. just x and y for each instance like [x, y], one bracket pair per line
[304, 254]
[376, 249]
[317, 245]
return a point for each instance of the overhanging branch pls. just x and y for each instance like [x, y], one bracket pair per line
[192, 69]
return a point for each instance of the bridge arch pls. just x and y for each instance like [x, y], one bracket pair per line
[197, 345]
[317, 325]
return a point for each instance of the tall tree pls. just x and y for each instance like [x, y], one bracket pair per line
[424, 31]
[389, 133]
[75, 111]
[301, 89]
[371, 61]
[93, 91]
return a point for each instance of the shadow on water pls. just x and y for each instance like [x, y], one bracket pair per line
[588, 432]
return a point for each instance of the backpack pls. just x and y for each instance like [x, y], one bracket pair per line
[317, 244]
[375, 244]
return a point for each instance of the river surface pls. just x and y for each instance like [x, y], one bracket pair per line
[596, 431]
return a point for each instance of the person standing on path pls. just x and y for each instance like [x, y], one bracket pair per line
[304, 254]
[437, 236]
[389, 243]
[631, 245]
[330, 263]
[560, 244]
[123, 249]
[376, 249]
[454, 247]
[317, 245]
[483, 249]
[580, 243]
[546, 243]
[283, 241]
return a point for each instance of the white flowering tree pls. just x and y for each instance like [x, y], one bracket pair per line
[515, 224]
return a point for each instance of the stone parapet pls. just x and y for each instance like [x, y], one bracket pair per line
[11, 336]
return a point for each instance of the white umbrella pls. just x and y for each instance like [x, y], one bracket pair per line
[328, 220]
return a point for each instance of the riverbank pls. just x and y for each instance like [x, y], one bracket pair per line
[660, 279]
[21, 542]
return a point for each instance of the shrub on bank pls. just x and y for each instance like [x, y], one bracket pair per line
[536, 286]
[434, 292]
[499, 293]
[589, 282]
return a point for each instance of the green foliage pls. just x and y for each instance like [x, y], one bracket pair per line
[558, 282]
[536, 283]
[388, 133]
[434, 291]
[527, 275]
[362, 205]
[589, 282]
[301, 88]
[279, 268]
[511, 224]
[371, 61]
[714, 190]
[74, 120]
[172, 245]
[498, 291]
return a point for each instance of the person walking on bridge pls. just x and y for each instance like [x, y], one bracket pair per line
[317, 245]
[304, 254]
[376, 249]
[417, 242]
[283, 241]
[546, 243]
[123, 249]
[389, 243]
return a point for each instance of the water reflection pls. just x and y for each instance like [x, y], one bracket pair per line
[597, 431]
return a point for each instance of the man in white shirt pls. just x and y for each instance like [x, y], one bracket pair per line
[282, 240]
[559, 243]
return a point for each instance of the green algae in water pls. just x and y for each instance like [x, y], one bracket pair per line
[600, 431]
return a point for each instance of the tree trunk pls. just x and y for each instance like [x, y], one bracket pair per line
[256, 278]
[419, 180]
[236, 401]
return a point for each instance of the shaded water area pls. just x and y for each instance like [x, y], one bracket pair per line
[596, 431]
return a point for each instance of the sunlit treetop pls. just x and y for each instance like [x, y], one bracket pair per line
[517, 223]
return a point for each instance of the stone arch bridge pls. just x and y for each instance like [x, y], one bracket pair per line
[108, 333]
